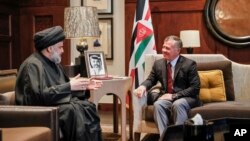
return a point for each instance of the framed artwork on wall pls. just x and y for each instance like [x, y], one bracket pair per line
[227, 25]
[103, 6]
[105, 41]
[95, 64]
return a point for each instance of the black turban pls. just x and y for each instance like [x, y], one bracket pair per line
[48, 37]
[95, 57]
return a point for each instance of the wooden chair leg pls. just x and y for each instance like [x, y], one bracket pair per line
[137, 136]
[0, 134]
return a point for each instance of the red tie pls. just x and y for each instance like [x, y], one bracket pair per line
[170, 81]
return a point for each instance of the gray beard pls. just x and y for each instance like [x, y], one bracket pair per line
[56, 58]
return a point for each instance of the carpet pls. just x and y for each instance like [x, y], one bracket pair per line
[110, 136]
[107, 136]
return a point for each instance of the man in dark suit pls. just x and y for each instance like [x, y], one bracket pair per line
[180, 85]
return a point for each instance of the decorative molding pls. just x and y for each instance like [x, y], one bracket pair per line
[46, 3]
[5, 28]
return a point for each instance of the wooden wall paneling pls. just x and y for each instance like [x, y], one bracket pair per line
[163, 6]
[241, 55]
[129, 20]
[208, 44]
[39, 19]
[5, 57]
[8, 34]
[40, 3]
[26, 32]
[23, 16]
[5, 41]
[156, 20]
[16, 40]
[172, 23]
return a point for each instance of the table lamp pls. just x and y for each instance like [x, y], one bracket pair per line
[190, 39]
[81, 22]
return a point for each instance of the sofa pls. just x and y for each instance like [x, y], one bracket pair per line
[24, 123]
[235, 104]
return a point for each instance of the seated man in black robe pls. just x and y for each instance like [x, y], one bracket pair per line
[42, 81]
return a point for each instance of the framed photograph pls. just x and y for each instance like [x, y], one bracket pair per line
[96, 64]
[105, 41]
[103, 6]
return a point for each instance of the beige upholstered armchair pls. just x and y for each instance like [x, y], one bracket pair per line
[143, 117]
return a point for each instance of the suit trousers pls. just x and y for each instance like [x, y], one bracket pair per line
[164, 109]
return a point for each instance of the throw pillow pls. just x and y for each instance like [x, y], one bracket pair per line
[226, 67]
[212, 86]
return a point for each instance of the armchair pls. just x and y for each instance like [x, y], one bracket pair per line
[238, 107]
[7, 80]
[21, 123]
[28, 123]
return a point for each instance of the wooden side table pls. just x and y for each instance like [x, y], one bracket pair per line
[119, 87]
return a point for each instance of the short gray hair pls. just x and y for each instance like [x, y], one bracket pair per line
[177, 40]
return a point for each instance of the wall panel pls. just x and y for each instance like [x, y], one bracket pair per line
[37, 19]
[6, 57]
[19, 21]
[8, 38]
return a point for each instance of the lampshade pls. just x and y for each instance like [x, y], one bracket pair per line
[81, 21]
[190, 38]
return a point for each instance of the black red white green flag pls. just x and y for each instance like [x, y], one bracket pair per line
[143, 41]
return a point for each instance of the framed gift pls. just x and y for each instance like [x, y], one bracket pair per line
[103, 6]
[95, 64]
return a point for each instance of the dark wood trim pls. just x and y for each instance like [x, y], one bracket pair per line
[17, 30]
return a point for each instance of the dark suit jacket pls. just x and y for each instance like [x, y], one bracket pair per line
[186, 79]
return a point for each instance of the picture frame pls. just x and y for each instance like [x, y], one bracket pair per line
[95, 64]
[222, 28]
[105, 41]
[103, 6]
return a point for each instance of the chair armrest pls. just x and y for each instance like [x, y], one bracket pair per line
[26, 116]
[241, 80]
[7, 98]
[138, 104]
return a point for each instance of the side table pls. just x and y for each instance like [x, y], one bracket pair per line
[119, 87]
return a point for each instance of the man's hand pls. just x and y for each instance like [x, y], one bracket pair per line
[140, 91]
[94, 84]
[78, 83]
[166, 96]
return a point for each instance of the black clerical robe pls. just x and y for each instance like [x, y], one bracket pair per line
[41, 82]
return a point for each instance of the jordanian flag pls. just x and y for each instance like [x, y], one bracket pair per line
[143, 42]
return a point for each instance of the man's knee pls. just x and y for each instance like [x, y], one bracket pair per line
[180, 103]
[67, 109]
[157, 104]
[177, 104]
